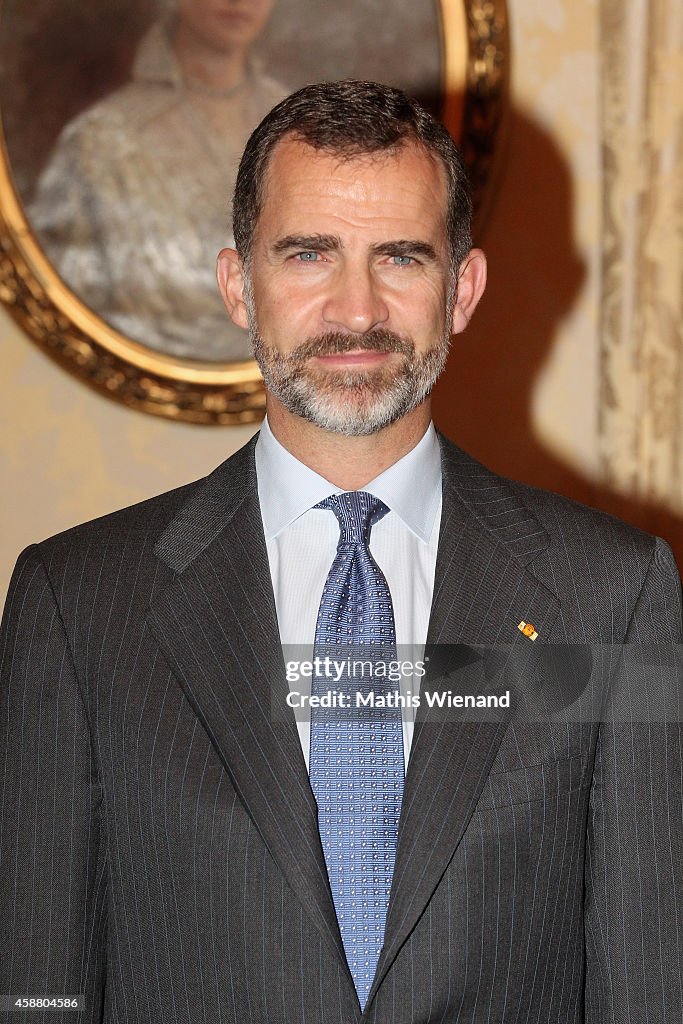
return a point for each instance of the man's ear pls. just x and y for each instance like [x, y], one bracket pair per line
[230, 276]
[470, 288]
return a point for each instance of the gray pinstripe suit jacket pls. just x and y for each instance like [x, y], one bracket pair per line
[159, 849]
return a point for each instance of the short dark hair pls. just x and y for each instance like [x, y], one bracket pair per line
[351, 118]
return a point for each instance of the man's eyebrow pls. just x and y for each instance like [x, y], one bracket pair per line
[316, 243]
[406, 247]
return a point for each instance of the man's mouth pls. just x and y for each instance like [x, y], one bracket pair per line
[354, 357]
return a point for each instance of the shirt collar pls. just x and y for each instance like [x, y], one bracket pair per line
[287, 488]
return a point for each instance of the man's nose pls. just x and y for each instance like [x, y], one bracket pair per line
[355, 301]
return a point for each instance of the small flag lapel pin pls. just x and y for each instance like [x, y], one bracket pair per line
[528, 630]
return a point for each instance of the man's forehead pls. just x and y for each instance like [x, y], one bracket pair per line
[294, 163]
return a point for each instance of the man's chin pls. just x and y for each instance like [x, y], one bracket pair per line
[355, 400]
[352, 409]
[356, 423]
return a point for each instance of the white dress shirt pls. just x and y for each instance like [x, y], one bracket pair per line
[302, 541]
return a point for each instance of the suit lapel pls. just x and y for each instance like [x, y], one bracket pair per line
[482, 590]
[217, 626]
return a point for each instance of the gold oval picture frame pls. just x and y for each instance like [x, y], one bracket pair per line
[474, 69]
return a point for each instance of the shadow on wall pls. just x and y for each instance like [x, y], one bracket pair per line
[484, 399]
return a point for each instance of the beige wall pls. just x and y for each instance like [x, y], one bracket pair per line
[520, 391]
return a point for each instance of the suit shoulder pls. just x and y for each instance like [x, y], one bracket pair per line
[589, 538]
[129, 535]
[138, 521]
[117, 546]
[568, 524]
[564, 518]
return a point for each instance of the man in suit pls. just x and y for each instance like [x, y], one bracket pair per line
[167, 851]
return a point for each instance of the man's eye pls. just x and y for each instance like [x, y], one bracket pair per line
[307, 257]
[402, 261]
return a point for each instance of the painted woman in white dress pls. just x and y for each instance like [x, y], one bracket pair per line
[135, 201]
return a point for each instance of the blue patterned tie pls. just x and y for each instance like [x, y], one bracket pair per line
[356, 757]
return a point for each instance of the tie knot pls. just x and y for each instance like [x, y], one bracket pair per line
[356, 512]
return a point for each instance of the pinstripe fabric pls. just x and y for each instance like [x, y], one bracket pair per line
[158, 842]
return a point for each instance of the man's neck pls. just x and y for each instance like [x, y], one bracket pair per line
[347, 462]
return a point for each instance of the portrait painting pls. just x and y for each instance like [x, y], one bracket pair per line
[123, 125]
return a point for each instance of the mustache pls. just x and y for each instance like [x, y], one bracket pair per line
[335, 343]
